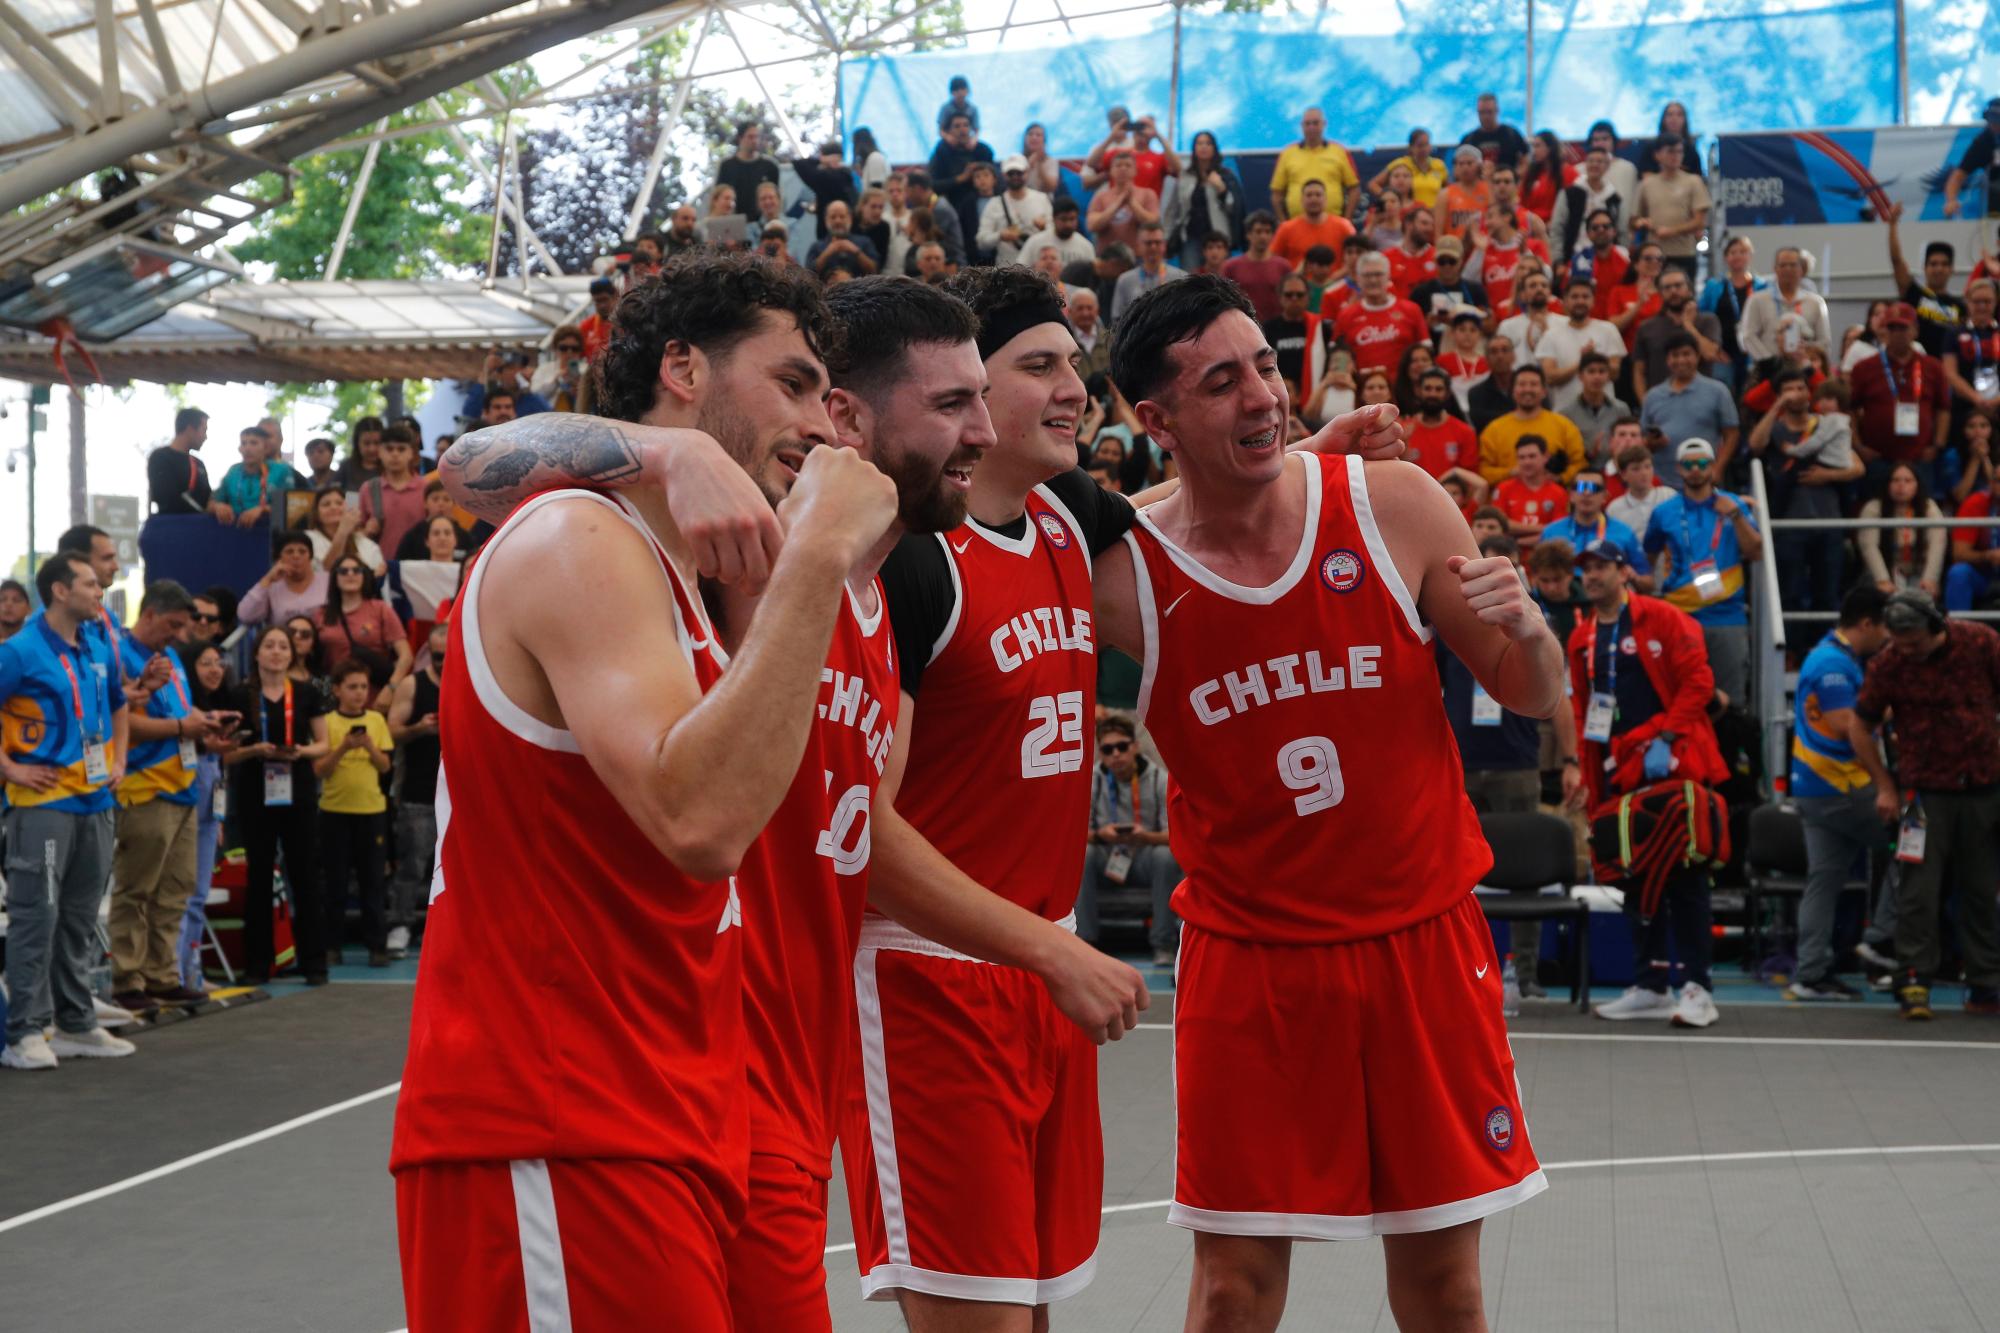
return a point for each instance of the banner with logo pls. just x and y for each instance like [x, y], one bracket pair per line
[1817, 177]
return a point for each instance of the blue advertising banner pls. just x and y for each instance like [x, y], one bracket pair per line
[1816, 177]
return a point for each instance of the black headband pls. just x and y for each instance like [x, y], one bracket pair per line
[1003, 326]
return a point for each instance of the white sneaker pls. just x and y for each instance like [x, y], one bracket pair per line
[399, 938]
[110, 1015]
[1636, 1002]
[96, 1043]
[1877, 960]
[1696, 1008]
[30, 1052]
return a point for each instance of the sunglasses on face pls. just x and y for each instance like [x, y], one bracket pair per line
[1696, 464]
[1587, 486]
[302, 633]
[572, 348]
[1114, 747]
[208, 618]
[348, 569]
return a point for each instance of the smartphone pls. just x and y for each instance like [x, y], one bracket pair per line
[245, 737]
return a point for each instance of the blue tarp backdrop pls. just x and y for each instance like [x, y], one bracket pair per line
[1741, 66]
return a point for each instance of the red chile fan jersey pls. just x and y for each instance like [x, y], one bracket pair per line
[999, 768]
[804, 886]
[579, 997]
[1316, 793]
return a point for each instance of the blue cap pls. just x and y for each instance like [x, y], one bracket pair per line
[603, 285]
[1602, 549]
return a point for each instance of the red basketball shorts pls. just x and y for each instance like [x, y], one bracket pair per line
[974, 1155]
[536, 1247]
[777, 1262]
[1335, 1091]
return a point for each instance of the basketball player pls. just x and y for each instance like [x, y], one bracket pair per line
[908, 395]
[571, 1144]
[1282, 610]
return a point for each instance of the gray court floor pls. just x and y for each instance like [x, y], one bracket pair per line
[1802, 1169]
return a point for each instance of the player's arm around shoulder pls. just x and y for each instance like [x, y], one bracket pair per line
[1479, 605]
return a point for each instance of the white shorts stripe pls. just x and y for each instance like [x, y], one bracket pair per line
[541, 1248]
[881, 1126]
[1321, 1226]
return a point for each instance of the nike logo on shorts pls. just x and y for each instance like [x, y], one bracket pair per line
[1481, 973]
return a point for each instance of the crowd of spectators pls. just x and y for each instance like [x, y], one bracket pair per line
[1581, 364]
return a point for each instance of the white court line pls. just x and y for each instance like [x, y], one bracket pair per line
[1898, 1043]
[1798, 1154]
[196, 1159]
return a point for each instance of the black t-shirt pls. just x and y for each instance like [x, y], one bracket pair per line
[1979, 157]
[1288, 339]
[918, 585]
[420, 753]
[1512, 745]
[1938, 316]
[177, 482]
[1486, 402]
[1463, 292]
[307, 704]
[744, 178]
[1502, 145]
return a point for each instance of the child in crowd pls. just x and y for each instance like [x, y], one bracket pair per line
[354, 812]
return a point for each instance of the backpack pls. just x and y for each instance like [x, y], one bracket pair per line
[1642, 837]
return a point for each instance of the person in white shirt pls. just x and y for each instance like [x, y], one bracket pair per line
[897, 215]
[1562, 347]
[1090, 334]
[1013, 215]
[1781, 321]
[1593, 190]
[1061, 236]
[1623, 176]
[1635, 469]
[1535, 321]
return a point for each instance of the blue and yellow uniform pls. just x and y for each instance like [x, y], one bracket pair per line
[163, 769]
[1823, 762]
[55, 698]
[1697, 539]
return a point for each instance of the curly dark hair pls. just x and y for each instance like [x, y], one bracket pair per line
[1172, 313]
[988, 290]
[708, 301]
[881, 318]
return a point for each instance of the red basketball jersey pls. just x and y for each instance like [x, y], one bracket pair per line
[999, 767]
[804, 885]
[578, 996]
[1316, 793]
[1378, 338]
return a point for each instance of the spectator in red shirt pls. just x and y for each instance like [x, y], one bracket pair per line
[1531, 499]
[1902, 401]
[1378, 326]
[1972, 358]
[1439, 442]
[357, 623]
[1497, 254]
[1636, 298]
[1415, 261]
[596, 327]
[1259, 272]
[1549, 172]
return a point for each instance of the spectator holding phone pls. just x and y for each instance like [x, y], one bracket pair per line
[353, 825]
[335, 531]
[207, 679]
[1128, 838]
[413, 725]
[274, 794]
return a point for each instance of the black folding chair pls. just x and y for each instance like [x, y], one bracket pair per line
[1530, 850]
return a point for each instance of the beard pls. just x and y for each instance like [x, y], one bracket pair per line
[923, 502]
[738, 441]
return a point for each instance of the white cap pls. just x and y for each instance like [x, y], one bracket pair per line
[1694, 447]
[1014, 163]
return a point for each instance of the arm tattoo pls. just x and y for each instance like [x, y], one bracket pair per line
[497, 467]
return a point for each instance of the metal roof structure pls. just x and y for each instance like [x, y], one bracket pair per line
[308, 331]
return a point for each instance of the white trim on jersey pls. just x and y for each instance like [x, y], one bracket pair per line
[957, 599]
[1323, 1226]
[1286, 581]
[869, 624]
[510, 716]
[1149, 627]
[541, 1247]
[1075, 528]
[1378, 550]
[441, 805]
[1020, 545]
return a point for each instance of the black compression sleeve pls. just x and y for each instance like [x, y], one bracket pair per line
[918, 587]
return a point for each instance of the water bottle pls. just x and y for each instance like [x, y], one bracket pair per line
[1510, 988]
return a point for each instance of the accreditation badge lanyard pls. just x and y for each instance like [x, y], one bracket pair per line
[186, 746]
[277, 772]
[96, 754]
[1118, 864]
[1985, 377]
[1909, 416]
[1707, 575]
[1603, 707]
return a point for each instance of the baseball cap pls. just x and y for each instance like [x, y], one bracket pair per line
[1695, 447]
[1467, 313]
[1014, 163]
[603, 285]
[1451, 245]
[1603, 548]
[1899, 312]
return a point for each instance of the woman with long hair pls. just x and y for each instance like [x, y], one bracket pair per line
[1976, 449]
[1549, 171]
[1864, 339]
[1427, 173]
[208, 690]
[716, 226]
[1673, 125]
[870, 163]
[1410, 367]
[334, 529]
[1725, 295]
[920, 229]
[357, 623]
[1210, 199]
[1044, 173]
[1900, 559]
[870, 219]
[307, 668]
[276, 802]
